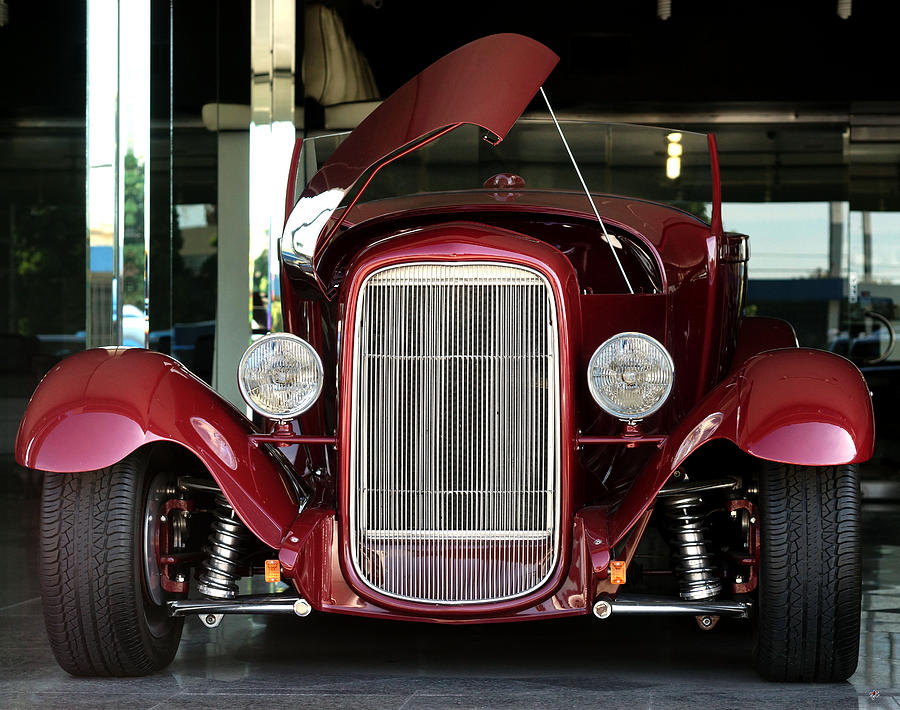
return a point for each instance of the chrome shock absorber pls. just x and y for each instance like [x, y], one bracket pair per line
[695, 567]
[224, 548]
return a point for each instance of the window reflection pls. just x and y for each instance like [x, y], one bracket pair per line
[271, 146]
[791, 257]
[118, 153]
[834, 274]
[194, 266]
[882, 232]
[872, 292]
[102, 98]
[43, 249]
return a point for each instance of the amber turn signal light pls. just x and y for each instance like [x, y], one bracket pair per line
[617, 571]
[273, 571]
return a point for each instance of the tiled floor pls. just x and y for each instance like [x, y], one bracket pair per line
[328, 661]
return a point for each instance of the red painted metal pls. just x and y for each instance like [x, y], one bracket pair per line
[468, 242]
[627, 440]
[655, 220]
[289, 439]
[798, 406]
[312, 328]
[311, 558]
[709, 349]
[751, 559]
[679, 243]
[461, 87]
[98, 406]
[667, 232]
[716, 216]
[758, 334]
[163, 543]
[805, 407]
[593, 524]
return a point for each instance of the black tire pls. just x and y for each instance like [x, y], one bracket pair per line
[100, 618]
[810, 573]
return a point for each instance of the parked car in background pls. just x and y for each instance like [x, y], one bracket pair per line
[500, 396]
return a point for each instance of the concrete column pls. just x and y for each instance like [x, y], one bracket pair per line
[233, 280]
[867, 245]
[253, 159]
[272, 133]
[836, 239]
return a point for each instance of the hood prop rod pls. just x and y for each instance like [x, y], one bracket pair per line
[587, 192]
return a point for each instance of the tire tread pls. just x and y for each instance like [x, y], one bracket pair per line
[90, 573]
[810, 576]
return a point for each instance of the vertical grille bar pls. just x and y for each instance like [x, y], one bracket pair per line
[455, 455]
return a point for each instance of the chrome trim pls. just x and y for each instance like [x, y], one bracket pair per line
[297, 410]
[677, 488]
[438, 488]
[263, 604]
[456, 534]
[734, 250]
[633, 604]
[599, 396]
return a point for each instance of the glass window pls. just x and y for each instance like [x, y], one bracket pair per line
[42, 208]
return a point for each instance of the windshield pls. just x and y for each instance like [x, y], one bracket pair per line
[658, 164]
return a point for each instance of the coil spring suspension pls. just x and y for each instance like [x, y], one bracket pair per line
[224, 548]
[694, 563]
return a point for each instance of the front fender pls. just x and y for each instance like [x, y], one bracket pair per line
[98, 406]
[796, 405]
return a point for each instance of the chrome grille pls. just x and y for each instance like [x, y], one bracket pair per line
[454, 458]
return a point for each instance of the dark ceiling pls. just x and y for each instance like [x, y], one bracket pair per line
[803, 101]
[708, 50]
[612, 53]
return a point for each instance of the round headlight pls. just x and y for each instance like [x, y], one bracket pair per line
[280, 376]
[631, 375]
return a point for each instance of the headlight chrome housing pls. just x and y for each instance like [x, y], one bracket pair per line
[631, 375]
[280, 376]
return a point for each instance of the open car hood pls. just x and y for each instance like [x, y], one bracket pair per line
[488, 83]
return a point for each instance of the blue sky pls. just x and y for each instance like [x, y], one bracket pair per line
[790, 239]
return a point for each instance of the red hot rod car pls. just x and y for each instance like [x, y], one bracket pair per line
[505, 391]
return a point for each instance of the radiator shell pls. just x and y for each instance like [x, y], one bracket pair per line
[455, 452]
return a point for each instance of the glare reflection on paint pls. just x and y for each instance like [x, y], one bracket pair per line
[699, 434]
[217, 443]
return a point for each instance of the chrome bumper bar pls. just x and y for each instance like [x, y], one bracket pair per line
[604, 607]
[274, 604]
